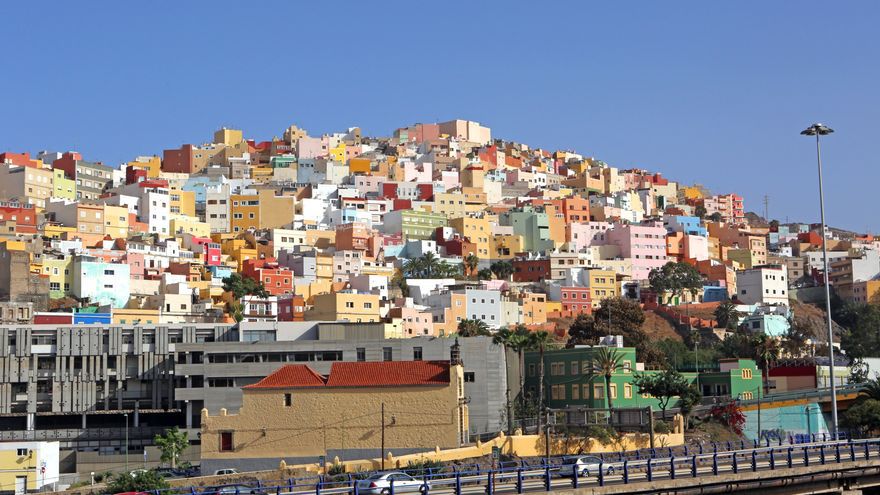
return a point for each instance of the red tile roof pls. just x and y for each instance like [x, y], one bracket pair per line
[388, 373]
[291, 376]
[359, 374]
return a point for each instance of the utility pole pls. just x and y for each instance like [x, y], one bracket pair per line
[766, 207]
[547, 436]
[383, 436]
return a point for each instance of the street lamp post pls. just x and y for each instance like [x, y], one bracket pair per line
[126, 442]
[817, 130]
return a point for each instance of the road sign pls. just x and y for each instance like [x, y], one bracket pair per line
[322, 460]
[496, 453]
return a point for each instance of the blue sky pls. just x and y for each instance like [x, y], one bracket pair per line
[706, 92]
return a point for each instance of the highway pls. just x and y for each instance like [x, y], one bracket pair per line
[627, 469]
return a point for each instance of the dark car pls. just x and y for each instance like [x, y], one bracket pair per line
[234, 489]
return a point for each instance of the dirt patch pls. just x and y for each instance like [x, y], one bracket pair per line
[658, 327]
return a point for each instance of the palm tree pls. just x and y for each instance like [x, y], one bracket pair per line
[726, 315]
[766, 350]
[472, 328]
[605, 362]
[502, 269]
[517, 340]
[430, 264]
[413, 268]
[541, 341]
[471, 262]
[504, 338]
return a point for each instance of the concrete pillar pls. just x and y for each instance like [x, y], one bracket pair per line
[31, 421]
[189, 414]
[137, 414]
[84, 421]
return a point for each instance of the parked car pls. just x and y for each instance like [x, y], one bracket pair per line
[221, 472]
[234, 489]
[585, 465]
[380, 484]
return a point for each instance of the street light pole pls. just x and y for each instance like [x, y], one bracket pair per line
[817, 130]
[126, 442]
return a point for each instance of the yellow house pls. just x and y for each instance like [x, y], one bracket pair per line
[62, 187]
[244, 212]
[182, 202]
[186, 224]
[60, 275]
[228, 137]
[534, 308]
[337, 153]
[359, 408]
[57, 231]
[345, 306]
[359, 166]
[602, 284]
[152, 165]
[321, 239]
[135, 316]
[478, 231]
[29, 466]
[506, 246]
[116, 221]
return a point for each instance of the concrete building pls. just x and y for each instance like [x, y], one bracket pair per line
[766, 284]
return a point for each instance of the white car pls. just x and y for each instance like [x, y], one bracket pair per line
[380, 484]
[585, 465]
[223, 472]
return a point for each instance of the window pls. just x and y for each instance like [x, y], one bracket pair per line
[417, 353]
[531, 369]
[627, 367]
[746, 373]
[469, 377]
[21, 452]
[746, 395]
[575, 391]
[574, 368]
[598, 391]
[386, 354]
[288, 400]
[613, 390]
[627, 391]
[361, 354]
[226, 441]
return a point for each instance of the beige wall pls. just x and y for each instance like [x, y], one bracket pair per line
[339, 419]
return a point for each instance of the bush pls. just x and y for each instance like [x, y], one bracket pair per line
[335, 469]
[603, 434]
[141, 482]
[730, 415]
[423, 465]
[662, 427]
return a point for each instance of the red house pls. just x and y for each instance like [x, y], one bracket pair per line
[291, 308]
[531, 269]
[23, 216]
[277, 279]
[576, 299]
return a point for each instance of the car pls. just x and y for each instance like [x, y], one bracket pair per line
[137, 472]
[584, 465]
[221, 472]
[380, 484]
[234, 489]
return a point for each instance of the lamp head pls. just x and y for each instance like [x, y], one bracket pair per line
[817, 129]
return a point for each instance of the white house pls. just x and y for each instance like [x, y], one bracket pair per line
[765, 284]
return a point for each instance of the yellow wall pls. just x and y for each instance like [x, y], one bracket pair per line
[478, 231]
[125, 316]
[63, 187]
[152, 164]
[58, 231]
[248, 208]
[184, 224]
[12, 466]
[338, 418]
[603, 284]
[335, 306]
[229, 137]
[116, 221]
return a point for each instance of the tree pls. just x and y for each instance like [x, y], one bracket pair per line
[736, 345]
[484, 274]
[583, 331]
[872, 388]
[516, 339]
[726, 315]
[502, 269]
[472, 328]
[621, 316]
[715, 217]
[140, 481]
[541, 341]
[863, 416]
[700, 211]
[471, 262]
[675, 278]
[243, 286]
[796, 340]
[861, 337]
[663, 386]
[689, 400]
[605, 362]
[858, 371]
[766, 350]
[172, 444]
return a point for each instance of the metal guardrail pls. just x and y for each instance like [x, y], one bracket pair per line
[70, 434]
[638, 466]
[804, 394]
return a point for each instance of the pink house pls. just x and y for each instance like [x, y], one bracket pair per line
[586, 234]
[135, 262]
[416, 321]
[311, 147]
[644, 245]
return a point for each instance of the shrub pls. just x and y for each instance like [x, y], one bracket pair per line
[335, 469]
[661, 427]
[142, 481]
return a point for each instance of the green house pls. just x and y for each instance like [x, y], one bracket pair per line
[567, 381]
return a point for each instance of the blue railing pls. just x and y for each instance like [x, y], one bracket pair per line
[542, 474]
